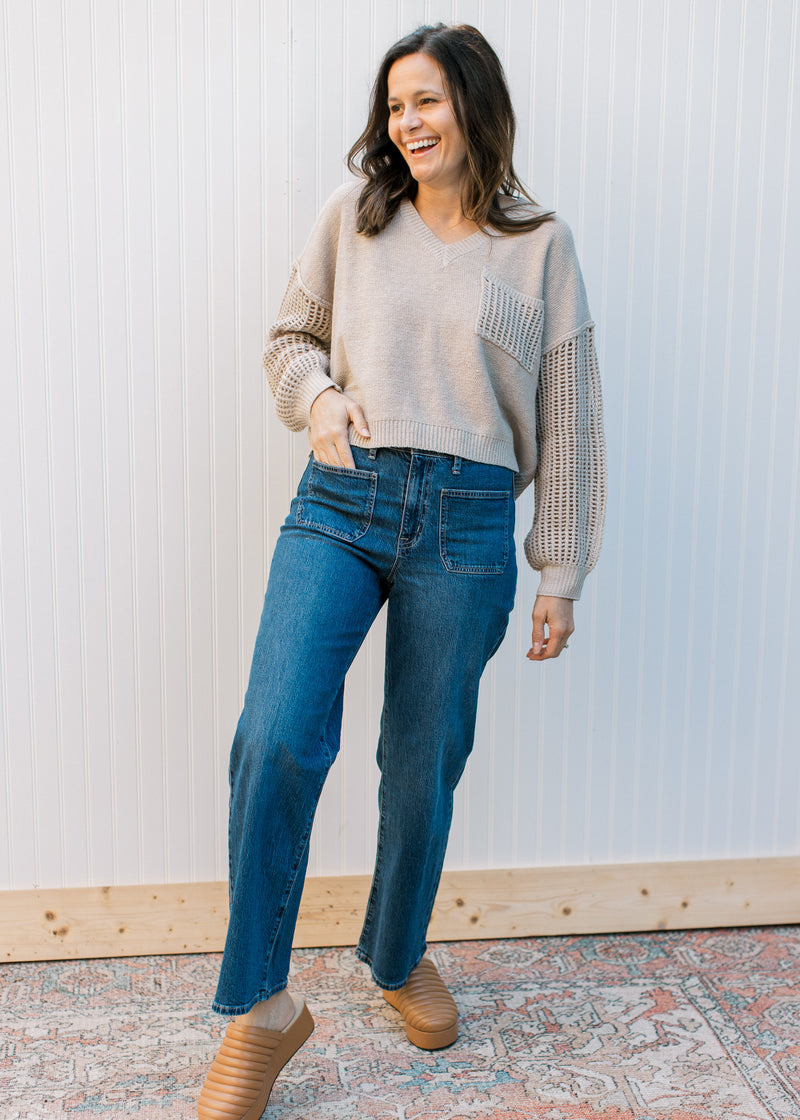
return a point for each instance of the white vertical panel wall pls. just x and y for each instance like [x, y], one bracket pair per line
[162, 163]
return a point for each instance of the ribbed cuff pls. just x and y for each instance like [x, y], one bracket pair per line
[309, 389]
[564, 581]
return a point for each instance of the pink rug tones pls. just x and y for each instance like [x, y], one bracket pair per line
[664, 1026]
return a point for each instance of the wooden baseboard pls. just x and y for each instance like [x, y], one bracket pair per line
[80, 922]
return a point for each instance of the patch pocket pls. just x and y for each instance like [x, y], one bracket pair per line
[474, 530]
[337, 501]
[511, 320]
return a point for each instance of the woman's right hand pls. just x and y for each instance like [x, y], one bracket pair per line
[332, 413]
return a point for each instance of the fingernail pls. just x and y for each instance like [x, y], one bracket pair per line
[537, 647]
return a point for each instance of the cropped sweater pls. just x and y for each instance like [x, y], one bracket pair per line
[482, 348]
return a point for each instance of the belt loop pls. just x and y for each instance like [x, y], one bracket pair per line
[456, 464]
[373, 453]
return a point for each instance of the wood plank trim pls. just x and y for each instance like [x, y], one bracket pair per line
[82, 922]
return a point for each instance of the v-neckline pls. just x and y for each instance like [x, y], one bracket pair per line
[446, 251]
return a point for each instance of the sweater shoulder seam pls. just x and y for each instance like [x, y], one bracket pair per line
[307, 292]
[569, 335]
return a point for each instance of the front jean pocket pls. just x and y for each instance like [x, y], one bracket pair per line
[474, 530]
[337, 501]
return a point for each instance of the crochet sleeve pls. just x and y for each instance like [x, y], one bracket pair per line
[297, 354]
[570, 481]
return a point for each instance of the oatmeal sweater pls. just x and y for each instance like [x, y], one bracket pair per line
[483, 348]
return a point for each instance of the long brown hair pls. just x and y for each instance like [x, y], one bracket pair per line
[477, 89]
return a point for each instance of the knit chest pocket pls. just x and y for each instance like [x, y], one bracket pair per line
[511, 320]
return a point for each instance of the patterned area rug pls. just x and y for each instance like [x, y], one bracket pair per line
[666, 1026]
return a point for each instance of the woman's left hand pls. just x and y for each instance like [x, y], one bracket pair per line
[554, 614]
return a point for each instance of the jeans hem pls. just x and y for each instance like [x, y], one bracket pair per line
[393, 986]
[243, 1008]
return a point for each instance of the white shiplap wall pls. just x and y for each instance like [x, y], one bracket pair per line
[162, 163]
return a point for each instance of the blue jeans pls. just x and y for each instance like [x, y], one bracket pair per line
[433, 536]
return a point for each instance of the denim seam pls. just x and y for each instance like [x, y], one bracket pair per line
[399, 549]
[432, 896]
[376, 875]
[423, 513]
[426, 464]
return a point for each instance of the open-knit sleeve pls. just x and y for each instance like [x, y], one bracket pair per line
[298, 350]
[570, 481]
[297, 353]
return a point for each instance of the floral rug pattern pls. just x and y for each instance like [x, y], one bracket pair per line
[663, 1026]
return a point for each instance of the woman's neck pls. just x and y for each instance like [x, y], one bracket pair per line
[442, 214]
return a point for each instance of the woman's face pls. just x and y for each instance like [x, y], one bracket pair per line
[422, 123]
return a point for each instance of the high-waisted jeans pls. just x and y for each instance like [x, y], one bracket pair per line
[433, 537]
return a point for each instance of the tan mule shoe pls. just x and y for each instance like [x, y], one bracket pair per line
[241, 1077]
[428, 1009]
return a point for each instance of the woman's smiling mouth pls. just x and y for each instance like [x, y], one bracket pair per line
[414, 146]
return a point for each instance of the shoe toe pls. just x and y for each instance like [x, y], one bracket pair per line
[241, 1077]
[429, 1011]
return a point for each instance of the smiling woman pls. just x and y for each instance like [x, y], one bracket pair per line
[442, 73]
[424, 425]
[423, 126]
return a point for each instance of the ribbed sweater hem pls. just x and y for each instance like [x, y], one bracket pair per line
[434, 437]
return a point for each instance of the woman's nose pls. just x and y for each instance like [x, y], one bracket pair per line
[410, 118]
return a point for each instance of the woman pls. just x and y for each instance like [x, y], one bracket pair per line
[436, 341]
